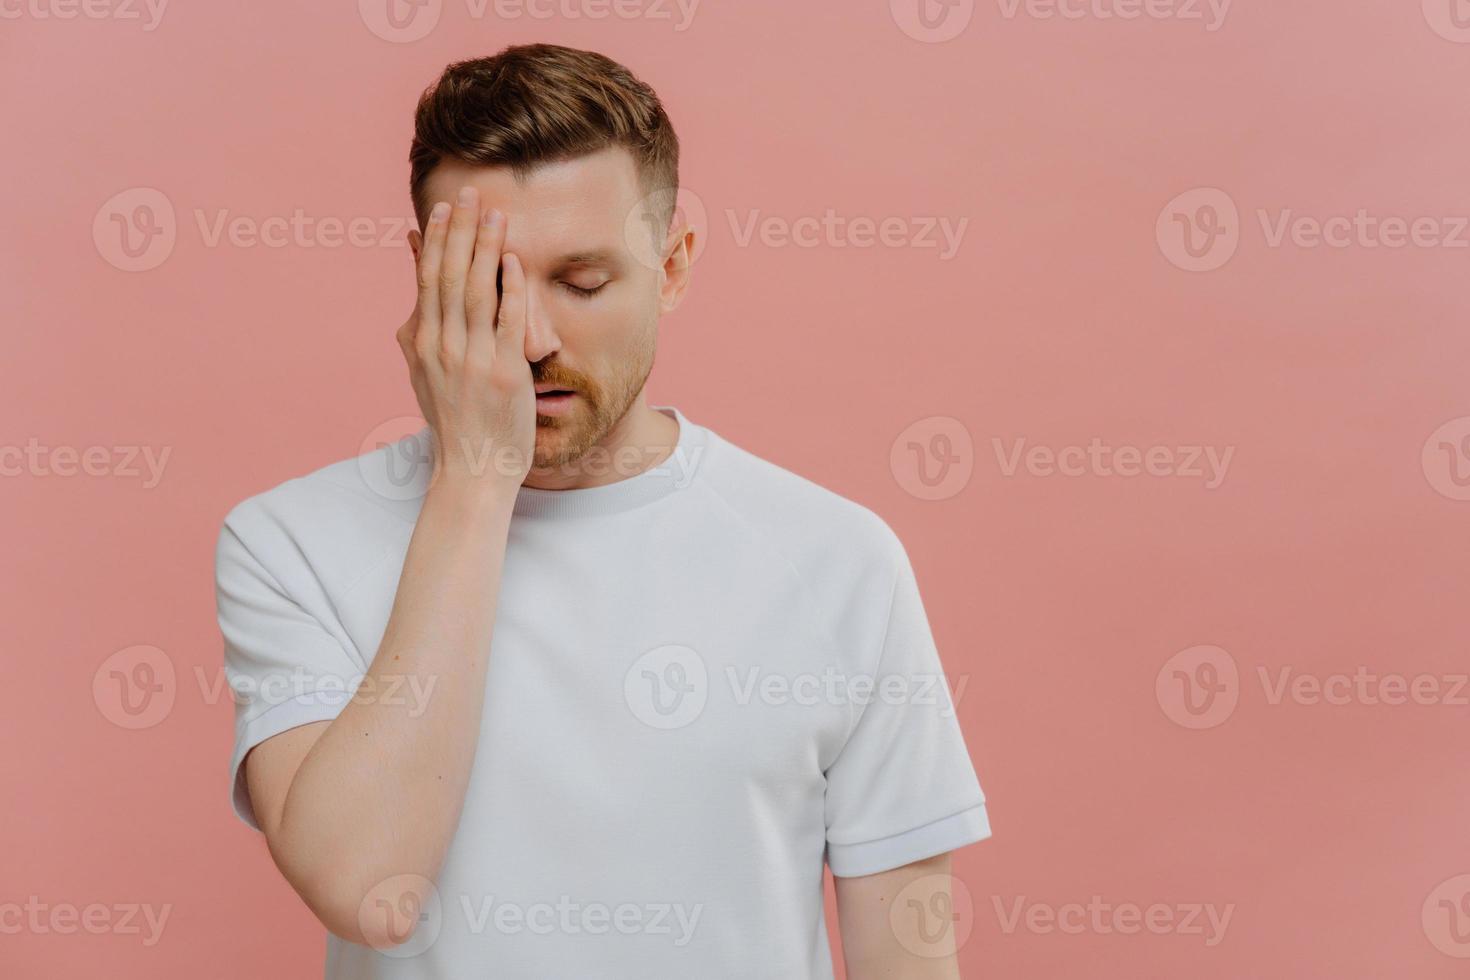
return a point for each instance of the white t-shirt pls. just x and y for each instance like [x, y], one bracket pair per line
[703, 679]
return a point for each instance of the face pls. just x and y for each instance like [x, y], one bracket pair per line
[597, 283]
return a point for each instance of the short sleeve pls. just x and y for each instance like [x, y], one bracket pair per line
[903, 787]
[284, 667]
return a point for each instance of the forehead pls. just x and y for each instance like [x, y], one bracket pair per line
[561, 207]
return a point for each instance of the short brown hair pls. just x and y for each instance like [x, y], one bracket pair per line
[541, 103]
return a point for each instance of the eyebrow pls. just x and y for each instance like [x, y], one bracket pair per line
[593, 257]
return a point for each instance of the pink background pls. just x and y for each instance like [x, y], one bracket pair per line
[1335, 543]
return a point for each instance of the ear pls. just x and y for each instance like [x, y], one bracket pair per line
[678, 252]
[415, 243]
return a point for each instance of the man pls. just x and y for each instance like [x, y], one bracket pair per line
[593, 691]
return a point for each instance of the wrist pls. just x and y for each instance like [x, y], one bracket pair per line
[471, 498]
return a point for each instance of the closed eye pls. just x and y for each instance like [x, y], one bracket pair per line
[579, 291]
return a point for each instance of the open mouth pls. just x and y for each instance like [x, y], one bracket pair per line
[554, 401]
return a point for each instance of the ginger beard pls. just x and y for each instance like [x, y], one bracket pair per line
[562, 440]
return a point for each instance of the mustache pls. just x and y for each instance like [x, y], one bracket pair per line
[560, 377]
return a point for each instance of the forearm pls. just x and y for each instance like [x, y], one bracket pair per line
[379, 794]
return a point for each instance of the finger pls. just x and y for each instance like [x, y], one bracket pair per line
[510, 322]
[426, 339]
[459, 246]
[480, 301]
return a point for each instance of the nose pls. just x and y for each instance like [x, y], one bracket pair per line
[542, 340]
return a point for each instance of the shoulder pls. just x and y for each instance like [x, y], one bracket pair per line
[828, 536]
[336, 518]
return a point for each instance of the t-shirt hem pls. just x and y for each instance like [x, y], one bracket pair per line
[937, 837]
[301, 710]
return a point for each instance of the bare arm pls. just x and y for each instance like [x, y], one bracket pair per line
[348, 806]
[913, 941]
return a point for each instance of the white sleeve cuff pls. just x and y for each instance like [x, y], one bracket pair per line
[300, 710]
[885, 853]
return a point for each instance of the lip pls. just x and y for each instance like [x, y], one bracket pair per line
[553, 404]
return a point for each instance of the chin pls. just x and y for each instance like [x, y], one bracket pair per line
[553, 438]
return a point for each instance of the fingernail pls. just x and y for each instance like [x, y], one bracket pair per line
[440, 211]
[466, 195]
[489, 217]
